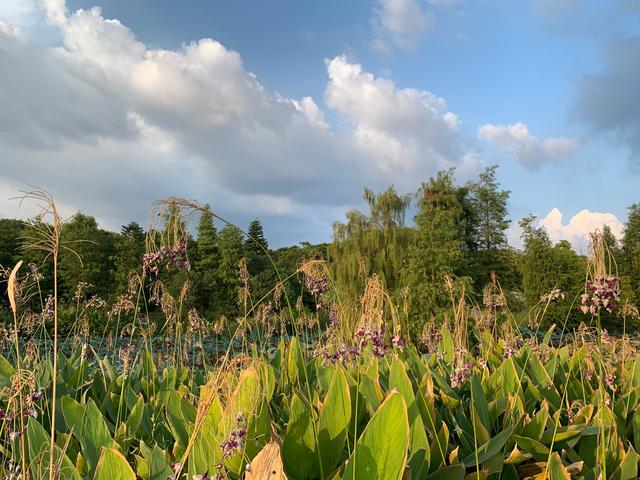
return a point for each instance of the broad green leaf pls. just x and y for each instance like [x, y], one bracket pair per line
[159, 468]
[452, 472]
[89, 427]
[535, 448]
[489, 449]
[299, 445]
[334, 422]
[113, 466]
[381, 450]
[206, 452]
[418, 442]
[38, 444]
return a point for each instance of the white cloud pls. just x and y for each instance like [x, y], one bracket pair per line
[55, 10]
[399, 24]
[401, 127]
[109, 124]
[579, 226]
[516, 141]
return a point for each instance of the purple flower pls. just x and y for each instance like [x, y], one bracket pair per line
[601, 293]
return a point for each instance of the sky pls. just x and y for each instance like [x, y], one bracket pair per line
[284, 111]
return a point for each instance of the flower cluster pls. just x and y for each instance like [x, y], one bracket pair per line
[342, 354]
[494, 301]
[610, 381]
[553, 295]
[602, 292]
[174, 256]
[317, 284]
[378, 340]
[461, 374]
[236, 439]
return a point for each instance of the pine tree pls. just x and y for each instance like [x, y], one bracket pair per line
[437, 250]
[489, 220]
[538, 265]
[491, 214]
[256, 241]
[231, 252]
[206, 264]
[129, 252]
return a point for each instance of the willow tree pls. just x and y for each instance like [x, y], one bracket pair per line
[372, 244]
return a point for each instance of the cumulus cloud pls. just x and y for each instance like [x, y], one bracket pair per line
[516, 141]
[609, 101]
[399, 24]
[110, 124]
[577, 229]
[401, 127]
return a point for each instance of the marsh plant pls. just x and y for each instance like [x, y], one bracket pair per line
[332, 388]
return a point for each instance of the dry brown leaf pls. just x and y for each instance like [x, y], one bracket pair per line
[267, 464]
[11, 287]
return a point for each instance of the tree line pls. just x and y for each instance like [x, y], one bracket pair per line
[457, 241]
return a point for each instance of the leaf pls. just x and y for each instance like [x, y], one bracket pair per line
[418, 442]
[299, 445]
[11, 287]
[159, 468]
[489, 449]
[529, 445]
[452, 472]
[295, 362]
[177, 422]
[480, 403]
[89, 427]
[516, 456]
[381, 450]
[206, 447]
[113, 466]
[38, 442]
[628, 468]
[334, 422]
[267, 464]
[556, 469]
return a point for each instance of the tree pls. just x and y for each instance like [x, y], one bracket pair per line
[491, 213]
[256, 242]
[231, 252]
[537, 262]
[489, 220]
[10, 233]
[129, 252]
[206, 264]
[437, 250]
[377, 243]
[631, 253]
[86, 256]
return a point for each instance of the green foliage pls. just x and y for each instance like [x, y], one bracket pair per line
[437, 251]
[129, 249]
[206, 266]
[374, 244]
[631, 253]
[256, 241]
[85, 256]
[231, 252]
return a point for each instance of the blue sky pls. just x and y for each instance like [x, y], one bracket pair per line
[290, 108]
